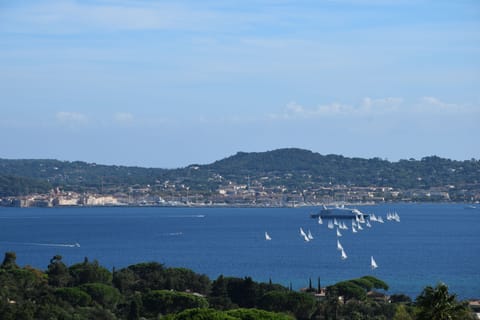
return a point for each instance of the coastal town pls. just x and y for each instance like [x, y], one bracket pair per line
[254, 194]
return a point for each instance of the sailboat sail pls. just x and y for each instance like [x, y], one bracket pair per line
[339, 245]
[338, 233]
[373, 263]
[344, 255]
[304, 235]
[267, 236]
[309, 235]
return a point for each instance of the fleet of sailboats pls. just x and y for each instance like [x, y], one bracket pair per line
[356, 227]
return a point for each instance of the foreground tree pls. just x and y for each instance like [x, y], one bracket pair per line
[438, 304]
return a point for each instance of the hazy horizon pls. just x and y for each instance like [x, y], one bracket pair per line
[173, 83]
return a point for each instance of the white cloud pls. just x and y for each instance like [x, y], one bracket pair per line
[375, 107]
[123, 118]
[436, 106]
[368, 106]
[71, 119]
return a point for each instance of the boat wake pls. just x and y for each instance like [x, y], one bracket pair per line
[173, 234]
[186, 216]
[67, 245]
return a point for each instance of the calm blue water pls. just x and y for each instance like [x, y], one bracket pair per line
[432, 243]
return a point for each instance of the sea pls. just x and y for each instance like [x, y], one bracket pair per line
[432, 243]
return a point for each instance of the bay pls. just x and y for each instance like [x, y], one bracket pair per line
[433, 243]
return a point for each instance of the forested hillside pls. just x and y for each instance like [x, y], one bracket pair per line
[293, 168]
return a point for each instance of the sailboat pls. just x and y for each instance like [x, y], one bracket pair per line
[339, 245]
[330, 224]
[267, 236]
[338, 233]
[373, 263]
[353, 229]
[309, 235]
[320, 221]
[304, 235]
[344, 255]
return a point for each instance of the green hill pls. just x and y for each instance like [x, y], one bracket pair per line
[293, 168]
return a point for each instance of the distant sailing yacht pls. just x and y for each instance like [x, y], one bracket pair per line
[309, 235]
[320, 221]
[267, 236]
[373, 263]
[330, 224]
[304, 235]
[344, 255]
[338, 233]
[339, 245]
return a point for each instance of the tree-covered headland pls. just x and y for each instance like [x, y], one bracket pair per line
[86, 290]
[274, 178]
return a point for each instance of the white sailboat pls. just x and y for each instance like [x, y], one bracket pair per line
[330, 224]
[368, 224]
[304, 235]
[339, 245]
[380, 219]
[335, 222]
[338, 233]
[320, 221]
[396, 217]
[373, 263]
[309, 235]
[267, 236]
[344, 255]
[359, 227]
[353, 229]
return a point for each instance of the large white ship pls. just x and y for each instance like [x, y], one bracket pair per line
[339, 212]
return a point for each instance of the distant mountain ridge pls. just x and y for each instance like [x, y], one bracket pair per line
[291, 167]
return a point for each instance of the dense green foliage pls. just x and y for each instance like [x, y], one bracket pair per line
[438, 304]
[87, 290]
[18, 185]
[295, 169]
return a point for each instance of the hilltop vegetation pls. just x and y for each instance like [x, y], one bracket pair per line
[86, 290]
[294, 169]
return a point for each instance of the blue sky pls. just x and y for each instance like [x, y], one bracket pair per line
[171, 83]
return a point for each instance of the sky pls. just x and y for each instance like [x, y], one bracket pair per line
[167, 84]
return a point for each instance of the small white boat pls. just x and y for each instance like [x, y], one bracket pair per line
[368, 224]
[354, 230]
[396, 217]
[309, 235]
[304, 235]
[380, 219]
[267, 236]
[373, 263]
[320, 221]
[330, 224]
[344, 255]
[339, 245]
[335, 222]
[338, 233]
